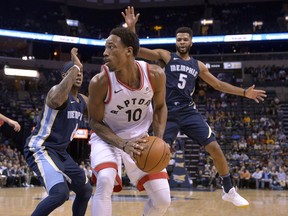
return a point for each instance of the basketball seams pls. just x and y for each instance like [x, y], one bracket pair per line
[148, 153]
[155, 157]
[163, 153]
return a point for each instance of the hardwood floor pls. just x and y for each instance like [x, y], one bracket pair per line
[22, 201]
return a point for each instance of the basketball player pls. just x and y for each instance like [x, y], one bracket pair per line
[16, 126]
[120, 113]
[45, 149]
[182, 71]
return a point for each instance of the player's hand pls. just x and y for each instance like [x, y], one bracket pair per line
[255, 94]
[133, 148]
[15, 125]
[74, 57]
[130, 18]
[168, 146]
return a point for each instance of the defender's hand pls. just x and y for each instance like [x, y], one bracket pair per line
[15, 125]
[74, 57]
[130, 18]
[255, 94]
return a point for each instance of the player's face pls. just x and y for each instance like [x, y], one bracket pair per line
[114, 54]
[79, 78]
[183, 43]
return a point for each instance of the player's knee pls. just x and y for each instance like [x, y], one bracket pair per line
[163, 203]
[60, 193]
[160, 206]
[214, 149]
[105, 181]
[161, 200]
[87, 190]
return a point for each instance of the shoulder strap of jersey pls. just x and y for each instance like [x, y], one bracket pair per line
[109, 91]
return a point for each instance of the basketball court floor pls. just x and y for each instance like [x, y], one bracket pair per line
[129, 202]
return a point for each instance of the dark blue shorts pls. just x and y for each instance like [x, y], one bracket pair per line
[190, 122]
[53, 167]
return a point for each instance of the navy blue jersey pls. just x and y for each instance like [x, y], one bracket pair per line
[56, 128]
[183, 116]
[181, 78]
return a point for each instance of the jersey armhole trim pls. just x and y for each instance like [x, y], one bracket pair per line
[149, 76]
[109, 91]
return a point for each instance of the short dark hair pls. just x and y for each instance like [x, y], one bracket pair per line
[185, 30]
[66, 67]
[128, 38]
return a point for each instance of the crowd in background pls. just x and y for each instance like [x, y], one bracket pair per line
[252, 137]
[268, 75]
[50, 17]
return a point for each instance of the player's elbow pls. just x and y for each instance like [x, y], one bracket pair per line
[90, 122]
[54, 102]
[218, 86]
[94, 125]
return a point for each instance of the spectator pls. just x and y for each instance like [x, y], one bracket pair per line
[256, 177]
[275, 184]
[282, 177]
[17, 175]
[10, 178]
[3, 178]
[244, 178]
[266, 178]
[201, 179]
[242, 143]
[236, 177]
[213, 177]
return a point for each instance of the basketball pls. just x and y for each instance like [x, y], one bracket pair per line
[155, 156]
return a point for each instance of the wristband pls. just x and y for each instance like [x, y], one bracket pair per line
[244, 92]
[76, 66]
[123, 148]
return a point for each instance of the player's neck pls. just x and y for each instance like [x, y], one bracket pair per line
[130, 76]
[74, 93]
[185, 56]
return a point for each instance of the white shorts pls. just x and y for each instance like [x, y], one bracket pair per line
[104, 155]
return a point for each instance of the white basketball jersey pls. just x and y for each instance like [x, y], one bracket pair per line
[128, 112]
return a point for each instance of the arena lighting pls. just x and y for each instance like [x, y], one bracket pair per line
[206, 22]
[28, 58]
[257, 23]
[157, 28]
[73, 23]
[145, 41]
[20, 72]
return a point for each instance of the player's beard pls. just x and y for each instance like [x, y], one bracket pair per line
[183, 51]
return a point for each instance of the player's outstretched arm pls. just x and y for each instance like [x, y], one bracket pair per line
[11, 122]
[251, 92]
[58, 94]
